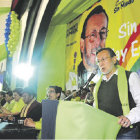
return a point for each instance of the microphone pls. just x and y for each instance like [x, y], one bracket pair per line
[94, 72]
[89, 79]
[91, 76]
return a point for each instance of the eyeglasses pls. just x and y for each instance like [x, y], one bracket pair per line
[51, 91]
[93, 35]
[102, 60]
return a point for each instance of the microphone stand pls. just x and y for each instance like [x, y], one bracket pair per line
[81, 88]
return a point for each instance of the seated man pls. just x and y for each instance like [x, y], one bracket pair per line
[2, 98]
[32, 109]
[89, 97]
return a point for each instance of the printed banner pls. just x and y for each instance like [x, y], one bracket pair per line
[114, 24]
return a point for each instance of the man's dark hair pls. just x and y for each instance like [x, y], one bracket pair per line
[10, 93]
[29, 90]
[99, 9]
[57, 90]
[111, 53]
[18, 90]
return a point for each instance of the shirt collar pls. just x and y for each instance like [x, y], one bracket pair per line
[104, 76]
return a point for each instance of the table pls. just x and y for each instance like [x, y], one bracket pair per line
[9, 130]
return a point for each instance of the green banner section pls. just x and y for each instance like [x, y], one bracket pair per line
[4, 10]
[136, 66]
[52, 68]
[69, 10]
[3, 53]
[77, 120]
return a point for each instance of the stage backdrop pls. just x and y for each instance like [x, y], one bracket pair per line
[52, 68]
[123, 37]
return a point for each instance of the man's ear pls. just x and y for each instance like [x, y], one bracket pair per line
[114, 59]
[82, 45]
[58, 94]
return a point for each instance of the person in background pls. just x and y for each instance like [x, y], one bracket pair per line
[79, 95]
[89, 97]
[93, 38]
[9, 103]
[118, 93]
[63, 96]
[83, 94]
[2, 98]
[67, 93]
[75, 96]
[17, 95]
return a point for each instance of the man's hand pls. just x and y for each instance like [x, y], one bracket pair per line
[124, 121]
[10, 117]
[29, 122]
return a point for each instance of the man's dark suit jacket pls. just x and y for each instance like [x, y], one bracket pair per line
[34, 112]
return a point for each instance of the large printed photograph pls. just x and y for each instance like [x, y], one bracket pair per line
[105, 24]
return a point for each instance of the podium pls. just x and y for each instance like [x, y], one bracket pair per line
[76, 120]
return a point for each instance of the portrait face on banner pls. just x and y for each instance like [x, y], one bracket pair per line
[93, 39]
[106, 24]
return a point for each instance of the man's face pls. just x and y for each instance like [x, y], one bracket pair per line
[95, 36]
[68, 92]
[8, 98]
[16, 96]
[52, 95]
[106, 62]
[27, 98]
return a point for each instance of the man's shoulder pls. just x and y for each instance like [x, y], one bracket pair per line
[36, 103]
[128, 73]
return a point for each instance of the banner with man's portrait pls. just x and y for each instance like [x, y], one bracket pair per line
[114, 24]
